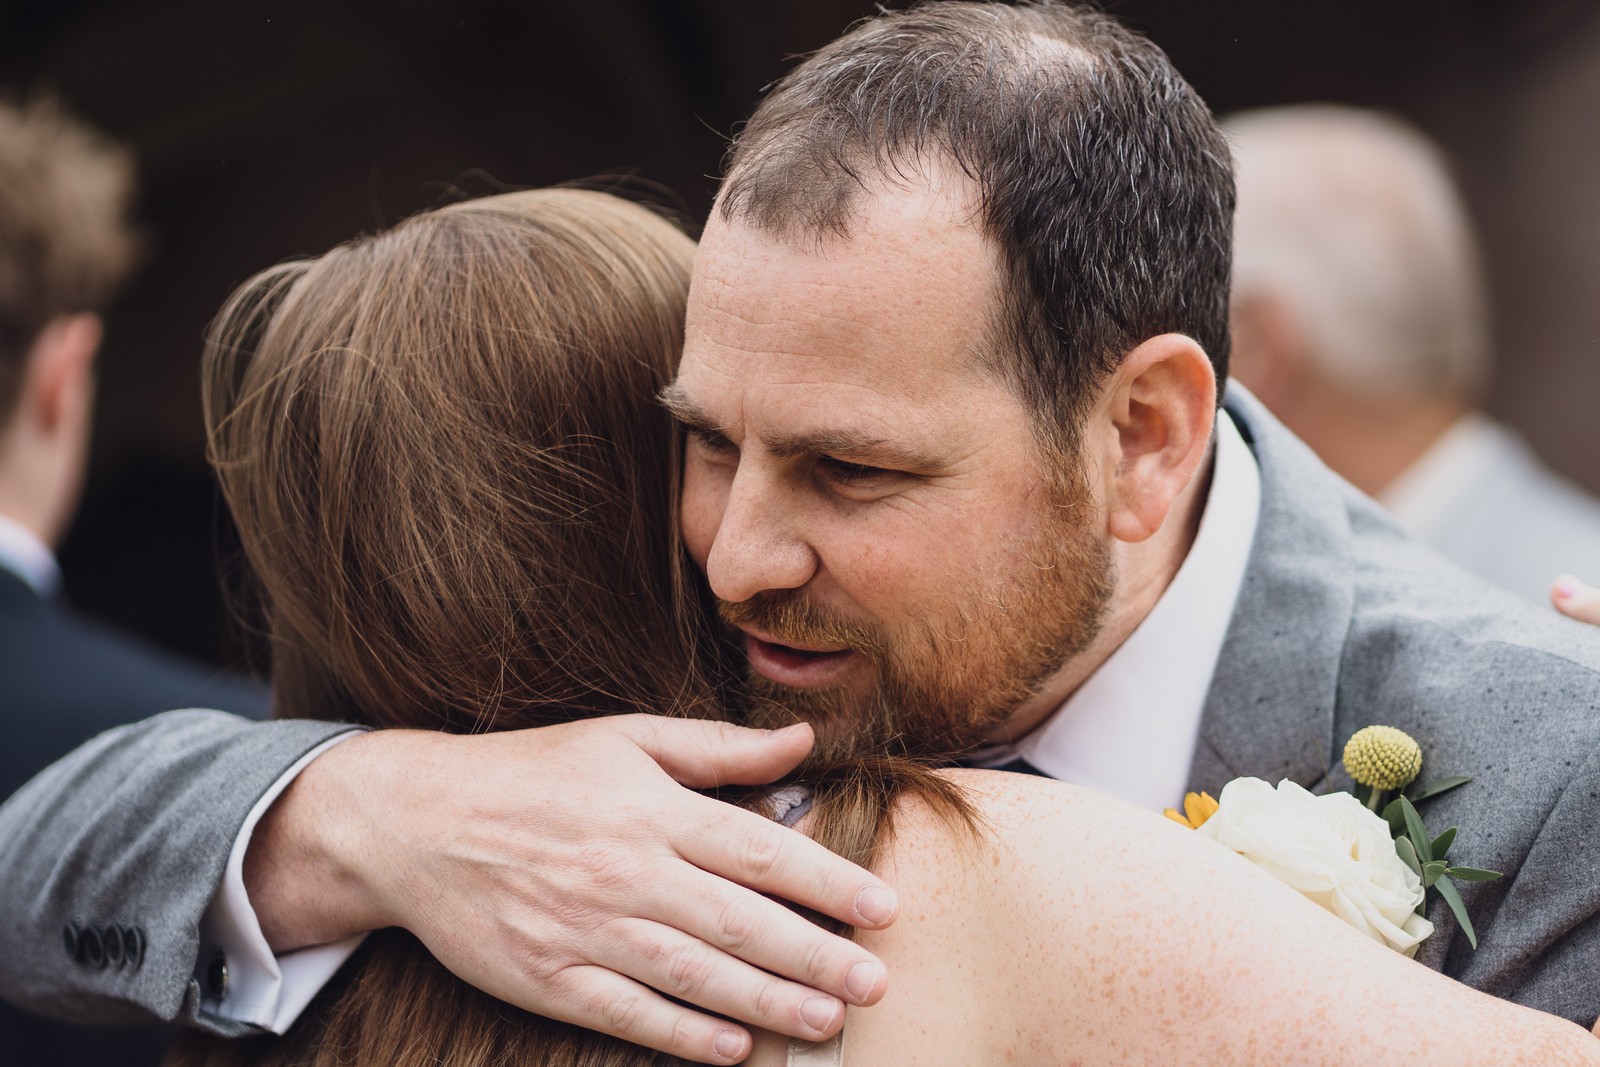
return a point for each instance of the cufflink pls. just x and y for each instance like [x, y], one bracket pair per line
[217, 977]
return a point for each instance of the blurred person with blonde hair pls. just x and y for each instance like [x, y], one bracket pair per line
[65, 246]
[1360, 318]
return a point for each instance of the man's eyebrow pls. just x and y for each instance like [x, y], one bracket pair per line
[688, 414]
[823, 442]
[854, 446]
[849, 445]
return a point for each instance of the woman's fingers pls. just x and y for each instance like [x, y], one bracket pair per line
[1575, 599]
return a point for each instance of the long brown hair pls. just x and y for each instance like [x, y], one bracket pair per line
[449, 474]
[456, 491]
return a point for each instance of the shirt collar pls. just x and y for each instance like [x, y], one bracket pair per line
[27, 557]
[1130, 728]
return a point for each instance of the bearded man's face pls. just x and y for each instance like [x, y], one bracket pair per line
[869, 504]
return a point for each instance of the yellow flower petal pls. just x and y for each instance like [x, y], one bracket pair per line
[1199, 807]
[1177, 816]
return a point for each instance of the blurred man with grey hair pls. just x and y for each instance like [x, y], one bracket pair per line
[1360, 317]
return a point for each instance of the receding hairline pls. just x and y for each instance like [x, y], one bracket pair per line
[866, 161]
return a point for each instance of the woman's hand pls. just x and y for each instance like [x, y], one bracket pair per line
[569, 871]
[1575, 599]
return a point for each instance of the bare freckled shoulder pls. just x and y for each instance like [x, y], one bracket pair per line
[1042, 834]
[1014, 800]
[1003, 811]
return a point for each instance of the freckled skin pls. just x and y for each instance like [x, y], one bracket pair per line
[1078, 929]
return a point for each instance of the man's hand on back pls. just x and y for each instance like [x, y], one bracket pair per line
[568, 871]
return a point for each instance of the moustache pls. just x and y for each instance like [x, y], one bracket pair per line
[788, 618]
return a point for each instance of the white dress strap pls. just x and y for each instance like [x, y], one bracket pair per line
[789, 804]
[829, 1053]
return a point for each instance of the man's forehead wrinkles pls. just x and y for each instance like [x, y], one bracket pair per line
[746, 313]
[800, 367]
[797, 313]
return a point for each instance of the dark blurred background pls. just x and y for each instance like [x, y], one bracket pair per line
[266, 129]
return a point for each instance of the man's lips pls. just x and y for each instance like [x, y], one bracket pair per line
[796, 666]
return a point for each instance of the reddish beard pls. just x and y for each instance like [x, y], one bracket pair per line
[952, 678]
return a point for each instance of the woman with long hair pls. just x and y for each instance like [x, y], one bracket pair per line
[455, 489]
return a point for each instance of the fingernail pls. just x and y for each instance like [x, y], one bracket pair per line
[820, 1012]
[876, 905]
[791, 728]
[1566, 587]
[729, 1044]
[861, 979]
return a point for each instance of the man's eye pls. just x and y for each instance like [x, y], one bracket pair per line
[712, 443]
[852, 473]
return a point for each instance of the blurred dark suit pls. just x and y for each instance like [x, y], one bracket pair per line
[64, 679]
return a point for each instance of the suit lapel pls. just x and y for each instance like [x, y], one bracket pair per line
[1270, 709]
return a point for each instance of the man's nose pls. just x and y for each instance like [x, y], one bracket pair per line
[759, 544]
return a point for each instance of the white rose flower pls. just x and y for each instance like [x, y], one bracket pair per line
[1331, 848]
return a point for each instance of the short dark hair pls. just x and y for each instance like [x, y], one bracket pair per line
[65, 239]
[1103, 178]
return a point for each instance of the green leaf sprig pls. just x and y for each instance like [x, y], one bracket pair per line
[1382, 760]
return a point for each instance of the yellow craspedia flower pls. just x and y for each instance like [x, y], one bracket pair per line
[1383, 758]
[1197, 808]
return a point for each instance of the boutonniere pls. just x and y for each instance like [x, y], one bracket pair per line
[1367, 857]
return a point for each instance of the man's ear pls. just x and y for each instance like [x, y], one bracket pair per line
[60, 376]
[1161, 405]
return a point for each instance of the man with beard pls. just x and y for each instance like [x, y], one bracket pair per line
[954, 350]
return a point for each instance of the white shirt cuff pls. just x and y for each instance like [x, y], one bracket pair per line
[260, 989]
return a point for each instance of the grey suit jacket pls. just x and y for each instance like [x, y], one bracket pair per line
[1344, 622]
[131, 832]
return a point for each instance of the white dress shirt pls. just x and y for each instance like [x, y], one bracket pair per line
[1129, 731]
[27, 557]
[262, 989]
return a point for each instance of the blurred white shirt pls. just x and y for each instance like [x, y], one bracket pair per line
[1483, 499]
[27, 557]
